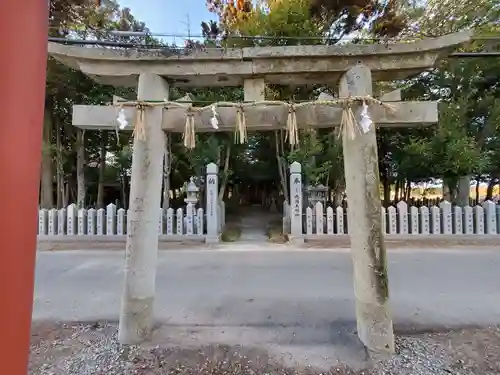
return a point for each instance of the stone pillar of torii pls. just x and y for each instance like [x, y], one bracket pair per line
[359, 120]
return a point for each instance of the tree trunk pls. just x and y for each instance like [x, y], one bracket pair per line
[446, 192]
[59, 169]
[463, 191]
[223, 184]
[66, 194]
[102, 170]
[80, 168]
[478, 181]
[408, 191]
[339, 195]
[124, 189]
[47, 176]
[491, 186]
[281, 167]
[396, 190]
[387, 192]
[167, 163]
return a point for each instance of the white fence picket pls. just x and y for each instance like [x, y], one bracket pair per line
[340, 220]
[443, 219]
[402, 209]
[458, 226]
[179, 221]
[43, 222]
[414, 220]
[309, 220]
[319, 219]
[329, 220]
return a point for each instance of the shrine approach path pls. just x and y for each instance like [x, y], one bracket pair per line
[298, 301]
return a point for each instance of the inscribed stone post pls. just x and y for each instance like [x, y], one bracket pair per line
[120, 222]
[212, 192]
[457, 222]
[414, 220]
[446, 217]
[91, 221]
[424, 220]
[101, 222]
[52, 230]
[179, 220]
[200, 218]
[160, 221]
[392, 220]
[468, 220]
[61, 222]
[383, 218]
[189, 219]
[339, 216]
[111, 219]
[329, 220]
[170, 221]
[309, 221]
[435, 220]
[478, 220]
[296, 202]
[374, 320]
[402, 208]
[320, 226]
[42, 222]
[82, 222]
[491, 217]
[71, 220]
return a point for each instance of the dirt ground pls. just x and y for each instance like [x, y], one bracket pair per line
[111, 245]
[91, 349]
[392, 242]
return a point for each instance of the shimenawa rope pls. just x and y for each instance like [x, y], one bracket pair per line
[349, 124]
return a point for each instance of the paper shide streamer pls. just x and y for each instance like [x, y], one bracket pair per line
[349, 125]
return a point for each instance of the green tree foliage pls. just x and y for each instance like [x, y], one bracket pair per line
[287, 18]
[466, 141]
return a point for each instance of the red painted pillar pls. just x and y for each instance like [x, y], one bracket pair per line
[23, 56]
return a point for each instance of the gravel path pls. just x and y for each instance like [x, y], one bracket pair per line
[91, 349]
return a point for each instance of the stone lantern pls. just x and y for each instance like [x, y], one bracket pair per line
[191, 192]
[317, 194]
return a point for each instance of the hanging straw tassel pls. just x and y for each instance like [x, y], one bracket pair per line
[189, 133]
[241, 124]
[139, 128]
[291, 125]
[348, 122]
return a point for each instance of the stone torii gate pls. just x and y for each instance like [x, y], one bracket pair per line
[353, 67]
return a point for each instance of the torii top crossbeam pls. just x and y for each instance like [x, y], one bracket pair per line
[289, 65]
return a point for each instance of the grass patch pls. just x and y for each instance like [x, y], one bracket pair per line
[231, 233]
[275, 231]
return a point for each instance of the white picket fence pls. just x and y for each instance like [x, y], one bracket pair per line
[72, 221]
[445, 219]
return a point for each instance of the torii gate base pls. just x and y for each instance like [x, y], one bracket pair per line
[22, 83]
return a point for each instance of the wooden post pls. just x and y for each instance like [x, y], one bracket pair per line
[22, 89]
[374, 320]
[136, 317]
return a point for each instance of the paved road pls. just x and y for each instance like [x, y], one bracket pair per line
[286, 299]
